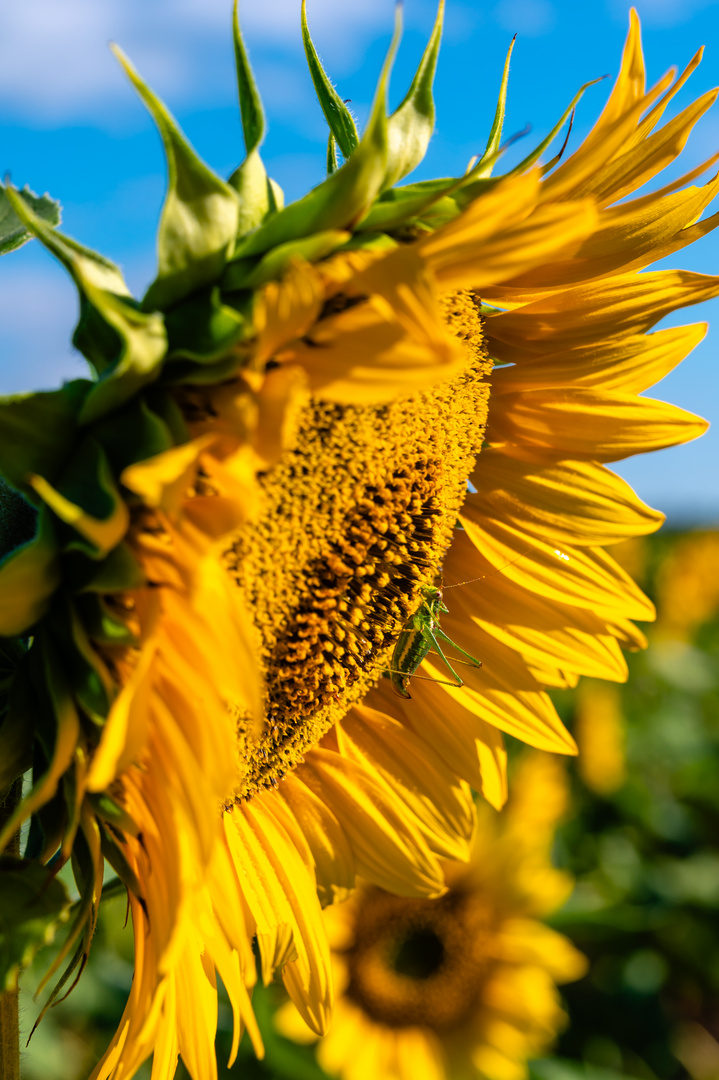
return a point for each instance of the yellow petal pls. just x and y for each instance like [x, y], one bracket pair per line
[502, 693]
[587, 577]
[543, 631]
[333, 859]
[361, 357]
[388, 847]
[572, 502]
[286, 309]
[627, 237]
[280, 889]
[474, 751]
[629, 363]
[626, 304]
[591, 424]
[405, 765]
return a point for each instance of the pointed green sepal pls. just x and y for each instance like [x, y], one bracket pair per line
[199, 219]
[134, 433]
[112, 813]
[532, 158]
[495, 136]
[410, 126]
[251, 111]
[255, 190]
[332, 160]
[96, 339]
[124, 345]
[87, 499]
[33, 904]
[340, 119]
[118, 571]
[116, 858]
[87, 674]
[143, 345]
[343, 198]
[13, 230]
[248, 274]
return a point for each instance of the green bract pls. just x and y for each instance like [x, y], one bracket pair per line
[63, 453]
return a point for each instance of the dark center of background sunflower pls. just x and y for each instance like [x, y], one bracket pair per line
[418, 962]
[420, 955]
[358, 517]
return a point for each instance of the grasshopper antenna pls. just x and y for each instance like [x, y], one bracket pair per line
[498, 569]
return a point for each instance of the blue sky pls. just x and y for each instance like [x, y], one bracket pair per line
[71, 124]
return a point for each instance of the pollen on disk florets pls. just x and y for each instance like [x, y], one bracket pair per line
[357, 518]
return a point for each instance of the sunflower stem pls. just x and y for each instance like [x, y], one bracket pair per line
[9, 1014]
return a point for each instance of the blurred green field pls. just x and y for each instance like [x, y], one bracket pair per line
[642, 841]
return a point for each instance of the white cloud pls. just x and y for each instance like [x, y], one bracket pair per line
[529, 18]
[55, 65]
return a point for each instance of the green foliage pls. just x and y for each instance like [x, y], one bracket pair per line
[340, 120]
[200, 216]
[33, 904]
[13, 230]
[411, 125]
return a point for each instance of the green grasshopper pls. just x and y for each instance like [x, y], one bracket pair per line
[421, 633]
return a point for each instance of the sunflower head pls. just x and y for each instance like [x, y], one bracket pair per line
[317, 414]
[464, 985]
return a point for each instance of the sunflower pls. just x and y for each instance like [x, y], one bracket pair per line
[463, 985]
[244, 517]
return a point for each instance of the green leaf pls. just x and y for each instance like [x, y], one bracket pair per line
[13, 231]
[33, 904]
[143, 344]
[37, 432]
[134, 433]
[95, 336]
[410, 126]
[18, 519]
[343, 198]
[340, 119]
[124, 345]
[204, 329]
[250, 180]
[16, 734]
[495, 136]
[118, 571]
[566, 1069]
[199, 219]
[29, 576]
